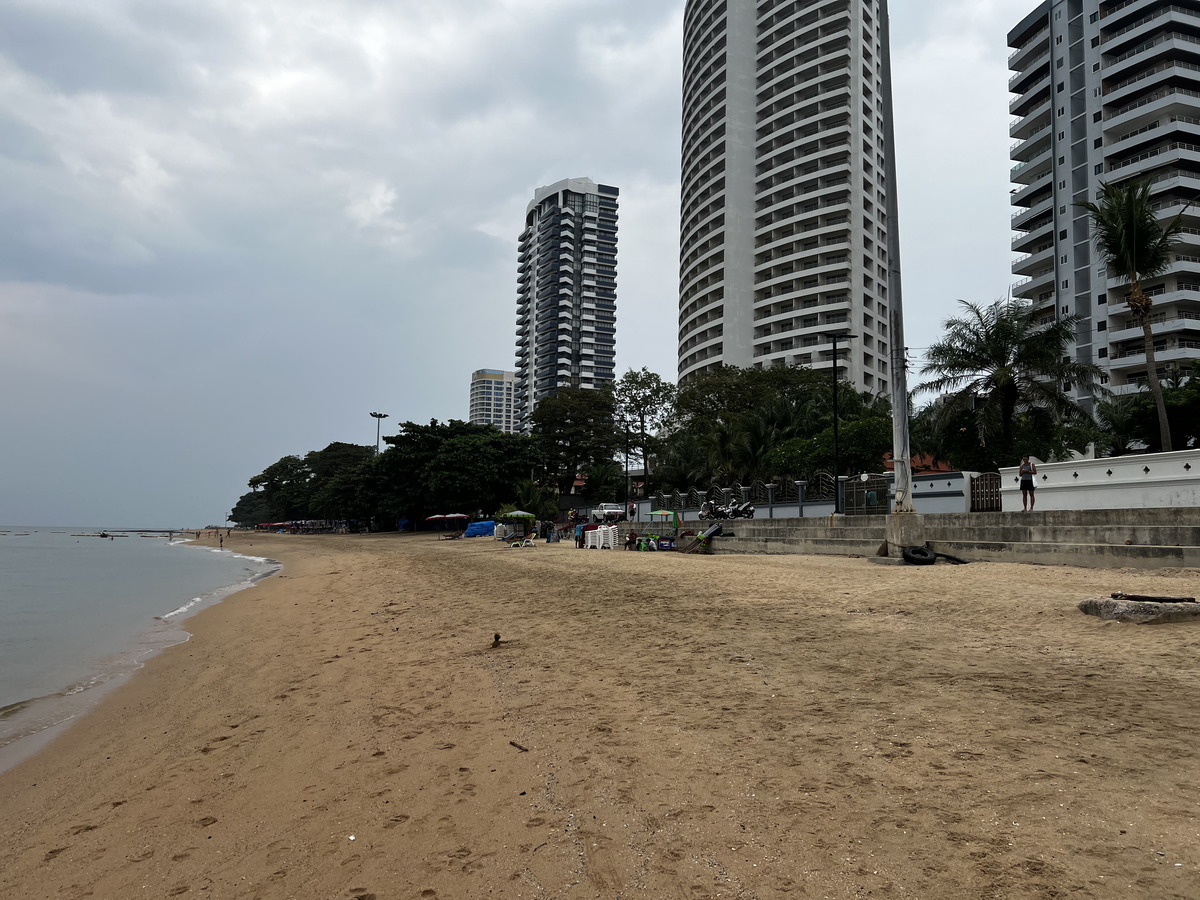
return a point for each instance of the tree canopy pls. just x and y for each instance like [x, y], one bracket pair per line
[995, 365]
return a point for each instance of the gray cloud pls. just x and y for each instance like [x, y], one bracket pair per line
[229, 230]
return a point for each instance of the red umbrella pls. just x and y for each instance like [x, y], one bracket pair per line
[431, 518]
[456, 516]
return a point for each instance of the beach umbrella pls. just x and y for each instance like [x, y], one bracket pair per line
[518, 514]
[433, 518]
[666, 512]
[456, 516]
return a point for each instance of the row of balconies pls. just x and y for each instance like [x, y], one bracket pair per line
[820, 228]
[797, 248]
[787, 117]
[825, 86]
[838, 49]
[813, 196]
[798, 212]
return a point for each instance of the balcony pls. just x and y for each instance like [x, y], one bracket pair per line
[1020, 57]
[1034, 120]
[1031, 287]
[1172, 152]
[1039, 93]
[1175, 321]
[1023, 218]
[1033, 264]
[1033, 170]
[1031, 189]
[1038, 66]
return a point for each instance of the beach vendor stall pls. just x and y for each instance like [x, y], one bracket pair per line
[516, 523]
[662, 535]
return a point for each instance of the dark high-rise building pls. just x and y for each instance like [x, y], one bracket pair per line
[566, 292]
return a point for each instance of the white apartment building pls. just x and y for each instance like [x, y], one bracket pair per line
[1106, 91]
[492, 400]
[566, 292]
[783, 220]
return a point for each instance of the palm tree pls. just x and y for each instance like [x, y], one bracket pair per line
[1117, 418]
[1130, 239]
[997, 361]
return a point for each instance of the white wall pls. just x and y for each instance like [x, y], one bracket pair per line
[1150, 480]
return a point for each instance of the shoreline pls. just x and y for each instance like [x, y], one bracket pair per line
[30, 723]
[659, 723]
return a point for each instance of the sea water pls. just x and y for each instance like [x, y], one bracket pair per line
[78, 611]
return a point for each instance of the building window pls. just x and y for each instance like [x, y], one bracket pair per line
[1099, 168]
[1096, 117]
[1102, 353]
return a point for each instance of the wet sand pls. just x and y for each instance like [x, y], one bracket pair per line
[662, 725]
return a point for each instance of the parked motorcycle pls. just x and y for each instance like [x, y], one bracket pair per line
[711, 510]
[741, 511]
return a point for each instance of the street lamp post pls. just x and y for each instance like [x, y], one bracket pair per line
[378, 417]
[837, 494]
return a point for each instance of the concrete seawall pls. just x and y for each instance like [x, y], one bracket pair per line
[1139, 538]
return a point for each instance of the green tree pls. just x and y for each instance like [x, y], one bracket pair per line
[253, 508]
[534, 497]
[575, 429]
[728, 394]
[861, 448]
[449, 467]
[732, 420]
[1134, 417]
[645, 405]
[1131, 240]
[996, 363]
[284, 486]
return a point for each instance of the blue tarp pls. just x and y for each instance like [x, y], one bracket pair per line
[479, 529]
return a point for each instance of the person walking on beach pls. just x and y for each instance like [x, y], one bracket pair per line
[1028, 485]
[221, 539]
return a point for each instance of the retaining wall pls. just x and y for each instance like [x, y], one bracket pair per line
[1141, 538]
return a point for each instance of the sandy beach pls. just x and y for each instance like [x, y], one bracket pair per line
[659, 725]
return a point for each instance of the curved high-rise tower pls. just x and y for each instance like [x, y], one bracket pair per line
[785, 187]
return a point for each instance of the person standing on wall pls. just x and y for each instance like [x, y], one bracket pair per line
[1028, 483]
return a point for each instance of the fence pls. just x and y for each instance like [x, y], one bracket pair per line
[866, 495]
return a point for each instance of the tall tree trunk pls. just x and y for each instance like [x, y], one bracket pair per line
[1139, 305]
[1164, 426]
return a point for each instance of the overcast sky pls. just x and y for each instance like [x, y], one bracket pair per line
[229, 230]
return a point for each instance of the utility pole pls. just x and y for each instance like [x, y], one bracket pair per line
[837, 494]
[898, 376]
